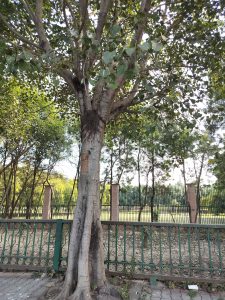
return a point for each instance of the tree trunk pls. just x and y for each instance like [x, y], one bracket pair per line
[185, 189]
[85, 258]
[30, 199]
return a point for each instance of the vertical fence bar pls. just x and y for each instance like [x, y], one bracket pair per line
[151, 254]
[124, 246]
[142, 247]
[26, 244]
[109, 239]
[41, 240]
[18, 247]
[209, 248]
[179, 250]
[199, 248]
[160, 249]
[49, 240]
[116, 245]
[4, 243]
[12, 242]
[58, 245]
[218, 240]
[133, 248]
[169, 229]
[33, 245]
[189, 250]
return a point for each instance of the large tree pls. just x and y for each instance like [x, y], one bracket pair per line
[112, 54]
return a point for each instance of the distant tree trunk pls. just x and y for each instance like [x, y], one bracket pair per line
[198, 179]
[141, 206]
[7, 191]
[14, 166]
[75, 180]
[153, 187]
[185, 189]
[145, 195]
[15, 203]
[30, 199]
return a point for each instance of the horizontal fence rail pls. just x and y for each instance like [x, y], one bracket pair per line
[130, 248]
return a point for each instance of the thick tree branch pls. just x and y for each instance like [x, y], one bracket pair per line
[43, 40]
[68, 76]
[17, 34]
[29, 10]
[128, 100]
[73, 41]
[97, 93]
[145, 6]
[70, 8]
[104, 8]
[102, 16]
[83, 14]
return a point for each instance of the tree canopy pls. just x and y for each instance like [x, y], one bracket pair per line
[112, 55]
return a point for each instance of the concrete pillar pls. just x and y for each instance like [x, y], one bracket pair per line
[46, 211]
[114, 207]
[192, 201]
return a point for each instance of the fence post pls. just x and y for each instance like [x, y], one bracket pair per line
[58, 245]
[46, 212]
[114, 208]
[192, 201]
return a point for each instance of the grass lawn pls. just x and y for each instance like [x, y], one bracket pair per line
[164, 217]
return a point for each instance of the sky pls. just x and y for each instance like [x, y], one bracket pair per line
[67, 167]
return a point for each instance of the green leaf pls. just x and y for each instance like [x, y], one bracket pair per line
[112, 85]
[149, 88]
[145, 46]
[130, 73]
[156, 46]
[130, 51]
[92, 81]
[10, 59]
[108, 56]
[115, 29]
[121, 69]
[27, 55]
[104, 72]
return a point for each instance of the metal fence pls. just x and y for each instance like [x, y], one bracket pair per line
[169, 206]
[134, 249]
[162, 213]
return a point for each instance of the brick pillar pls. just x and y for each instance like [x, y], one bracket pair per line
[192, 201]
[46, 212]
[114, 208]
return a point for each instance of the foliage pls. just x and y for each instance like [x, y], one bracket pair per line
[33, 138]
[113, 55]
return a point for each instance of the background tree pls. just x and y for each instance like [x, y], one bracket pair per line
[33, 138]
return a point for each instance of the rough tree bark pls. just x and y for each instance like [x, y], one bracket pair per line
[85, 263]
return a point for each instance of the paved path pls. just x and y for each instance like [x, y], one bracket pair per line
[22, 286]
[143, 291]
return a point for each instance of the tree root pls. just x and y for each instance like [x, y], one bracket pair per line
[108, 292]
[63, 293]
[81, 294]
